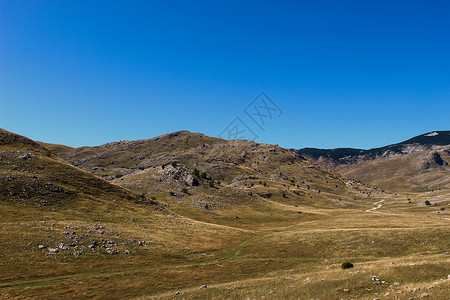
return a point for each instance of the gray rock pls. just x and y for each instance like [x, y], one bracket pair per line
[53, 250]
[112, 251]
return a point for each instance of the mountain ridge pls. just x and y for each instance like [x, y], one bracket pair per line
[430, 138]
[420, 163]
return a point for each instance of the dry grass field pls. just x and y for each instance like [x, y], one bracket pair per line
[129, 237]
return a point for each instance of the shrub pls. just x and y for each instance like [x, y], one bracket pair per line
[203, 175]
[118, 175]
[184, 190]
[206, 206]
[427, 202]
[153, 197]
[195, 182]
[347, 265]
[171, 193]
[196, 172]
[174, 164]
[211, 183]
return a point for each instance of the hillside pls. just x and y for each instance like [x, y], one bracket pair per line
[188, 216]
[33, 175]
[209, 176]
[58, 222]
[417, 164]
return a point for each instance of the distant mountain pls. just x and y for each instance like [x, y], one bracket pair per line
[434, 138]
[417, 164]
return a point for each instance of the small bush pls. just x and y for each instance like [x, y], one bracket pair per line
[427, 202]
[153, 197]
[184, 190]
[171, 193]
[174, 164]
[196, 172]
[118, 175]
[347, 265]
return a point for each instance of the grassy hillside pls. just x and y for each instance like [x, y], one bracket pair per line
[260, 222]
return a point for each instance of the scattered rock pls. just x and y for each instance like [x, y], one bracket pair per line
[112, 251]
[53, 250]
[203, 286]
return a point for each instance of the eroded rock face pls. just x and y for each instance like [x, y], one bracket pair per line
[179, 174]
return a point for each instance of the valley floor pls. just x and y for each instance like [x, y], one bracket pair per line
[404, 247]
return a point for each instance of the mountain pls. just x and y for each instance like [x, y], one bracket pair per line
[206, 171]
[417, 164]
[188, 216]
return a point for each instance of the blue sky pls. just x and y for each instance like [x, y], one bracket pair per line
[344, 73]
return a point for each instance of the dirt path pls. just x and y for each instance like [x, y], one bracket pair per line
[379, 204]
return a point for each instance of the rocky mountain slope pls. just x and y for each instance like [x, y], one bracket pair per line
[198, 171]
[418, 164]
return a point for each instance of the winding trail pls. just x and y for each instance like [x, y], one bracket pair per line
[379, 204]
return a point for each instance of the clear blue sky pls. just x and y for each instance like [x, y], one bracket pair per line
[345, 73]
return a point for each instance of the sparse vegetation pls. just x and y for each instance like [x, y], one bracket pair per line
[196, 172]
[347, 265]
[270, 242]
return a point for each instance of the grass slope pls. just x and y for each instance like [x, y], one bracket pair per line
[246, 244]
